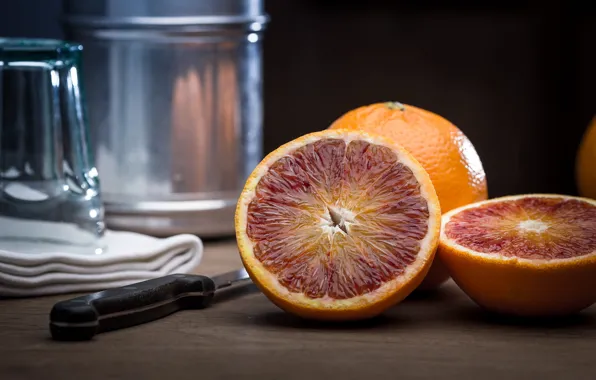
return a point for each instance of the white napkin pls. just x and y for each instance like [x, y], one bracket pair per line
[128, 258]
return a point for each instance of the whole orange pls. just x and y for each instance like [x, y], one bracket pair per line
[441, 148]
[585, 168]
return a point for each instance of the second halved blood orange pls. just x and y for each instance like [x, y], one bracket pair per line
[529, 255]
[338, 225]
[443, 150]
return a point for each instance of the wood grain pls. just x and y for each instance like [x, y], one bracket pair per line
[244, 336]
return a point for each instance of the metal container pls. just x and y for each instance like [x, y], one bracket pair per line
[174, 97]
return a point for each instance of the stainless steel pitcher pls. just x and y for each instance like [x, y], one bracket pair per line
[174, 97]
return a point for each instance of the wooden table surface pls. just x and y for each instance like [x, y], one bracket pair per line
[243, 336]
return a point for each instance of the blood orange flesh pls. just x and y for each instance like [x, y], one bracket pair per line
[338, 216]
[529, 255]
[530, 228]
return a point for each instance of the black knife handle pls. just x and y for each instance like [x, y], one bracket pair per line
[82, 317]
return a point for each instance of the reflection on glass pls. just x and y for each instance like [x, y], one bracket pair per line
[49, 189]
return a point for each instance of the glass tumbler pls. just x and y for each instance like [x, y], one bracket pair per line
[49, 187]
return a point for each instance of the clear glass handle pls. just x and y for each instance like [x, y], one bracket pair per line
[49, 188]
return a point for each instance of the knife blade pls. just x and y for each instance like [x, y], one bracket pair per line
[83, 317]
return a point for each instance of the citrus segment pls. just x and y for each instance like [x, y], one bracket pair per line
[338, 224]
[530, 228]
[322, 230]
[526, 255]
[442, 149]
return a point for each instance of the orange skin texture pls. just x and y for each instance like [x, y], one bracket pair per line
[443, 150]
[523, 288]
[368, 305]
[585, 169]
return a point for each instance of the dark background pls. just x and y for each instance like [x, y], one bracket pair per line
[517, 77]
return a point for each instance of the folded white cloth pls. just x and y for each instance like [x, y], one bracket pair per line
[129, 257]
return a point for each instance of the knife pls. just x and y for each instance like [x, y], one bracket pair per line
[83, 317]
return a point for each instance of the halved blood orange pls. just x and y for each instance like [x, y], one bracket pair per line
[338, 225]
[527, 255]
